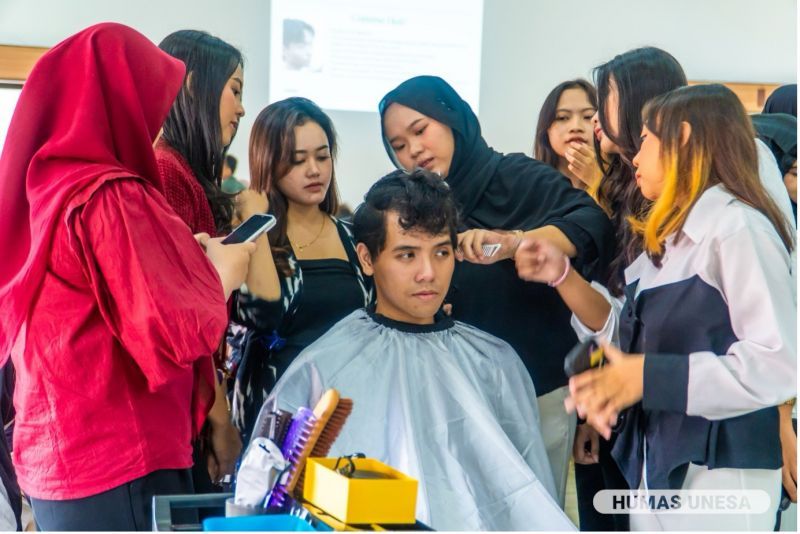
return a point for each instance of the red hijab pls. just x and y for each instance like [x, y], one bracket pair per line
[89, 112]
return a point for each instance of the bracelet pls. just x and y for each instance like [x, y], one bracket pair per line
[790, 402]
[560, 280]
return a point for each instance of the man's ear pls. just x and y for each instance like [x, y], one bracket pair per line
[365, 259]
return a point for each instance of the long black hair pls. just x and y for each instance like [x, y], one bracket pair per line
[639, 75]
[193, 126]
[271, 151]
[542, 149]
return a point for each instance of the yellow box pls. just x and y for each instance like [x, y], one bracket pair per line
[361, 500]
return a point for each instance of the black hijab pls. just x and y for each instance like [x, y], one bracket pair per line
[474, 162]
[510, 192]
[782, 100]
[497, 191]
[779, 132]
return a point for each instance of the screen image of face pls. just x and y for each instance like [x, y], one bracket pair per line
[346, 54]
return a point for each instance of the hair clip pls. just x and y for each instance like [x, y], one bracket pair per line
[348, 468]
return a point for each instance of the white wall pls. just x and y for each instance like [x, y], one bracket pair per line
[528, 47]
[532, 45]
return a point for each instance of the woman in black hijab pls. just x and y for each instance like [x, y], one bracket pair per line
[782, 100]
[503, 198]
[779, 132]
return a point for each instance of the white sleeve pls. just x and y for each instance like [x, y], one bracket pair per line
[610, 330]
[759, 370]
[772, 181]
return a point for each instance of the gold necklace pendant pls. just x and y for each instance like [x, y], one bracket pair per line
[321, 228]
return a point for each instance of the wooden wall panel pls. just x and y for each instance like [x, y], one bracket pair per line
[752, 95]
[16, 62]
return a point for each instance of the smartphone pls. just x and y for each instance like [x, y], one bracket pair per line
[582, 357]
[250, 229]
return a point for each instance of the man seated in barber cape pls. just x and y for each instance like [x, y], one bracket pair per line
[437, 399]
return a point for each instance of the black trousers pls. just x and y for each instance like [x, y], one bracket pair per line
[589, 479]
[126, 507]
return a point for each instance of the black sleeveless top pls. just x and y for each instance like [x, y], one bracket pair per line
[330, 293]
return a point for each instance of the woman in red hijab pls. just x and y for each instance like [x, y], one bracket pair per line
[111, 311]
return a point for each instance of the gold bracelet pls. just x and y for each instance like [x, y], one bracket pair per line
[790, 402]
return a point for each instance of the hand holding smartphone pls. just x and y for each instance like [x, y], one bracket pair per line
[250, 229]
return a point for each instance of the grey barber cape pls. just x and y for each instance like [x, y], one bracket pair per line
[447, 404]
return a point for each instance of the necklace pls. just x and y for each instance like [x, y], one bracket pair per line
[321, 228]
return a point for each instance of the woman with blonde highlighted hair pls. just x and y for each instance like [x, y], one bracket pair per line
[625, 84]
[707, 334]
